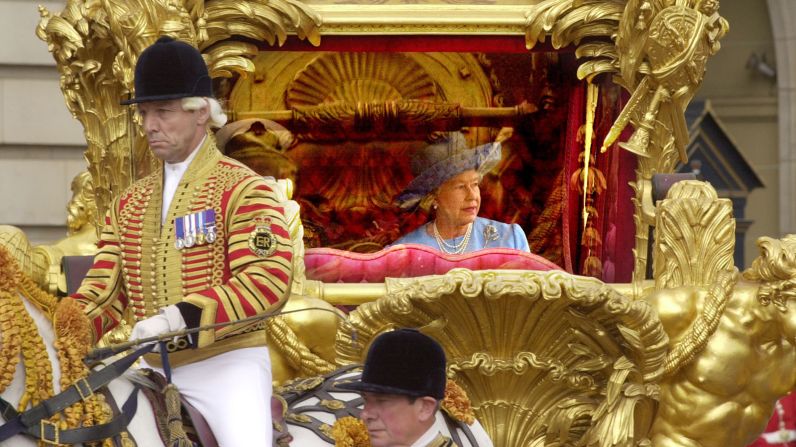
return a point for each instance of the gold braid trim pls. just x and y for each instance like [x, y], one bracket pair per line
[39, 298]
[705, 324]
[296, 353]
[23, 337]
[38, 369]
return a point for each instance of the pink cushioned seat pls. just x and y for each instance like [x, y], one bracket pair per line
[410, 260]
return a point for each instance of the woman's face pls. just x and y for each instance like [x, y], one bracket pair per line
[459, 199]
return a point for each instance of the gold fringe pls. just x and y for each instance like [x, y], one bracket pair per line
[10, 327]
[592, 266]
[21, 337]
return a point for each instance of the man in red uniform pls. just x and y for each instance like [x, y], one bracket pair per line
[202, 240]
[781, 429]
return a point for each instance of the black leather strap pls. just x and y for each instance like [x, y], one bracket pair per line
[35, 420]
[49, 432]
[453, 424]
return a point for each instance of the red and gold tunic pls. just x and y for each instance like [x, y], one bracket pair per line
[138, 265]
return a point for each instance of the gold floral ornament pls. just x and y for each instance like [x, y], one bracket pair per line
[457, 404]
[350, 432]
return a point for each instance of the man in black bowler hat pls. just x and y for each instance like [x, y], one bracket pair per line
[403, 383]
[201, 240]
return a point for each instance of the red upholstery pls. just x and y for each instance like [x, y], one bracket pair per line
[399, 261]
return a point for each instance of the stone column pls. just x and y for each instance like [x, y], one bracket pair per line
[783, 27]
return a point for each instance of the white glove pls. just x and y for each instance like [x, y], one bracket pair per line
[168, 320]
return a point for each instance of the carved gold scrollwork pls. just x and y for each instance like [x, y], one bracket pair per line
[694, 247]
[695, 236]
[658, 50]
[549, 354]
[360, 77]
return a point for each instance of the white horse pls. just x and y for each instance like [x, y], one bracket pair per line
[142, 427]
[316, 401]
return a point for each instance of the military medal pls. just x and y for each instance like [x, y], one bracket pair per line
[200, 234]
[261, 240]
[207, 227]
[179, 236]
[195, 229]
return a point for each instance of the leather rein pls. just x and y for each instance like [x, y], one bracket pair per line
[34, 421]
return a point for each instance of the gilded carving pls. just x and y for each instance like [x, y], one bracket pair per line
[360, 77]
[305, 339]
[657, 50]
[731, 337]
[558, 358]
[393, 119]
[332, 404]
[695, 236]
[554, 356]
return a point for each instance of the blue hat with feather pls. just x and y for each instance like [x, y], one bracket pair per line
[440, 161]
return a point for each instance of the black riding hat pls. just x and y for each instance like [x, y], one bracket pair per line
[170, 69]
[403, 362]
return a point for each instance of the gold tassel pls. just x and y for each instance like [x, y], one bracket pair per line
[177, 436]
[592, 266]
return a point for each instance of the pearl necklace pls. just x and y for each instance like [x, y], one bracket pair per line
[453, 249]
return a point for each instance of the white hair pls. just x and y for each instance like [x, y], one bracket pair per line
[217, 116]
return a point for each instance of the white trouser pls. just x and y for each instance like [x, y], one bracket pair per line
[233, 392]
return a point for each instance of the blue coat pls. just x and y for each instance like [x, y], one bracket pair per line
[502, 235]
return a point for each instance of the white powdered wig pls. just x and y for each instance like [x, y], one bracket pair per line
[217, 116]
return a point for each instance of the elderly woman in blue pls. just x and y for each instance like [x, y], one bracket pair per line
[447, 178]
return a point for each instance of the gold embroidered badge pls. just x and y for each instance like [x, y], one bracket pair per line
[261, 240]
